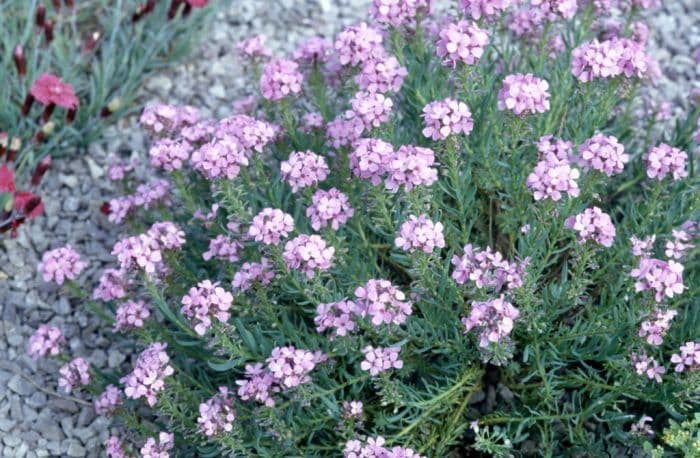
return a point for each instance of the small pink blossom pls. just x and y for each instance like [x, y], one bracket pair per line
[372, 108]
[370, 159]
[252, 272]
[604, 153]
[664, 159]
[74, 374]
[523, 94]
[159, 448]
[329, 208]
[358, 44]
[46, 340]
[290, 367]
[61, 264]
[687, 358]
[494, 320]
[169, 154]
[398, 13]
[642, 247]
[419, 233]
[216, 416]
[280, 78]
[411, 166]
[50, 90]
[223, 247]
[461, 42]
[646, 365]
[107, 402]
[131, 315]
[270, 226]
[489, 9]
[664, 278]
[253, 47]
[383, 302]
[378, 360]
[338, 316]
[220, 158]
[308, 253]
[151, 369]
[303, 169]
[446, 117]
[205, 302]
[593, 224]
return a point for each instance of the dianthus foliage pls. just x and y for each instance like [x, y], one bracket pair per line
[431, 236]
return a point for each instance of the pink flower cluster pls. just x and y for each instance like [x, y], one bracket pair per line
[280, 78]
[168, 119]
[556, 9]
[679, 246]
[290, 367]
[112, 285]
[378, 360]
[486, 8]
[523, 94]
[257, 385]
[304, 169]
[148, 377]
[131, 315]
[604, 153]
[371, 108]
[308, 253]
[554, 149]
[167, 235]
[370, 159]
[526, 23]
[251, 134]
[74, 374]
[158, 448]
[61, 264]
[169, 154]
[144, 251]
[220, 158]
[353, 410]
[419, 233]
[487, 269]
[374, 447]
[381, 75]
[311, 121]
[329, 208]
[688, 357]
[446, 117]
[338, 316]
[343, 131]
[114, 448]
[593, 224]
[216, 416]
[664, 278]
[398, 13]
[107, 402]
[494, 320]
[611, 58]
[383, 302]
[313, 50]
[358, 44]
[223, 247]
[643, 247]
[46, 340]
[551, 178]
[411, 166]
[254, 47]
[147, 195]
[270, 226]
[252, 272]
[462, 41]
[206, 301]
[655, 329]
[646, 365]
[663, 160]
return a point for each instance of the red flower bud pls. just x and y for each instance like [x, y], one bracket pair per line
[48, 30]
[69, 3]
[20, 62]
[40, 170]
[28, 101]
[40, 16]
[105, 209]
[56, 4]
[70, 115]
[48, 111]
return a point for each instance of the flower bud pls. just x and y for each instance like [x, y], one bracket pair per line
[48, 30]
[40, 16]
[48, 128]
[56, 4]
[20, 61]
[40, 170]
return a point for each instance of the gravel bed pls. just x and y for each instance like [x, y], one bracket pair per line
[37, 421]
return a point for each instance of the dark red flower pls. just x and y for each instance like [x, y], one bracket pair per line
[7, 179]
[49, 89]
[40, 170]
[25, 204]
[197, 3]
[28, 204]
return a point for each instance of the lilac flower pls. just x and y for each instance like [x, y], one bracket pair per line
[352, 410]
[374, 447]
[141, 252]
[74, 374]
[290, 367]
[678, 247]
[251, 134]
[107, 402]
[270, 226]
[556, 9]
[593, 225]
[379, 359]
[257, 385]
[131, 315]
[370, 159]
[383, 302]
[687, 358]
[338, 316]
[604, 153]
[311, 121]
[462, 41]
[253, 47]
[372, 108]
[610, 58]
[493, 319]
[381, 75]
[112, 285]
[252, 272]
[523, 94]
[158, 448]
[280, 78]
[664, 159]
[358, 44]
[167, 119]
[342, 131]
[641, 427]
[643, 247]
[46, 340]
[664, 278]
[61, 264]
[446, 117]
[114, 448]
[303, 169]
[199, 133]
[206, 301]
[411, 166]
[220, 158]
[646, 365]
[166, 235]
[216, 416]
[552, 178]
[398, 13]
[169, 154]
[554, 149]
[147, 195]
[419, 233]
[329, 208]
[526, 23]
[223, 247]
[119, 209]
[308, 253]
[148, 377]
[313, 50]
[118, 169]
[655, 329]
[486, 8]
[487, 269]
